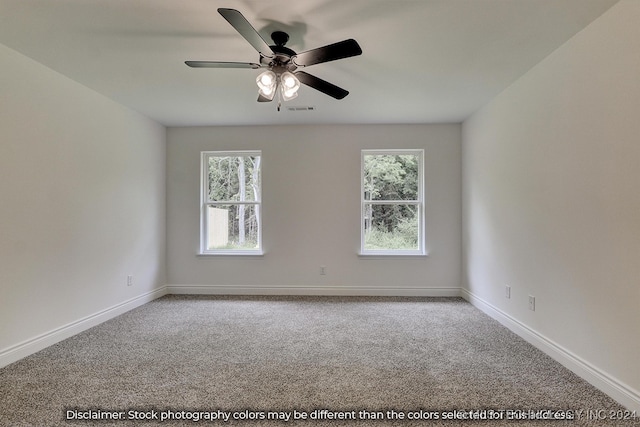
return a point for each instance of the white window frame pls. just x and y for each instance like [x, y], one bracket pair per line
[421, 251]
[205, 203]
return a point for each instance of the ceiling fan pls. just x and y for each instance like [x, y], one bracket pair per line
[282, 63]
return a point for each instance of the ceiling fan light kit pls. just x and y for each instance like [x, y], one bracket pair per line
[289, 86]
[267, 82]
[282, 63]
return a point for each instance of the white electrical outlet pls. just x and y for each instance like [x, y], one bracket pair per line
[532, 303]
[323, 270]
[129, 280]
[507, 292]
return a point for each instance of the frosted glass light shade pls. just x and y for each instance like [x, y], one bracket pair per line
[289, 86]
[267, 82]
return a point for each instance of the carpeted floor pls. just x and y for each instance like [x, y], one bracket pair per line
[197, 358]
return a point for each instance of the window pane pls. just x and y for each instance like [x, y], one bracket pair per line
[390, 177]
[233, 178]
[388, 227]
[233, 227]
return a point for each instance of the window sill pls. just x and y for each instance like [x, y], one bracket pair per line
[391, 255]
[233, 254]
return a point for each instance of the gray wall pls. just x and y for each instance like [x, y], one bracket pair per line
[82, 206]
[552, 202]
[311, 212]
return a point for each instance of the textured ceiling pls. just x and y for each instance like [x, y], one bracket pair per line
[423, 61]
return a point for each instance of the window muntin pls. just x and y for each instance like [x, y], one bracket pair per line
[231, 203]
[392, 221]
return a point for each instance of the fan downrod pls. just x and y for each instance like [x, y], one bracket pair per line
[280, 38]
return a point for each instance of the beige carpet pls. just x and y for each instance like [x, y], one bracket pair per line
[200, 360]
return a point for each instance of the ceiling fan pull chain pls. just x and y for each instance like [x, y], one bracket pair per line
[279, 96]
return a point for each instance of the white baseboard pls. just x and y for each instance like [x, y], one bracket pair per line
[313, 290]
[617, 390]
[33, 345]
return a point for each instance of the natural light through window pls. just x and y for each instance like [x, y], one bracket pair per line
[231, 203]
[392, 221]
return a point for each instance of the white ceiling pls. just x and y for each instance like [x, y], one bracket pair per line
[423, 61]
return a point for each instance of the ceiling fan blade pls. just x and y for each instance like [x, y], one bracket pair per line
[264, 98]
[217, 64]
[343, 49]
[240, 23]
[321, 85]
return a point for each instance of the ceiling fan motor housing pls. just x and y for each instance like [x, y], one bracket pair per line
[281, 61]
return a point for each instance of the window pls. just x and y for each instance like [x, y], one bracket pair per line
[392, 220]
[231, 203]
